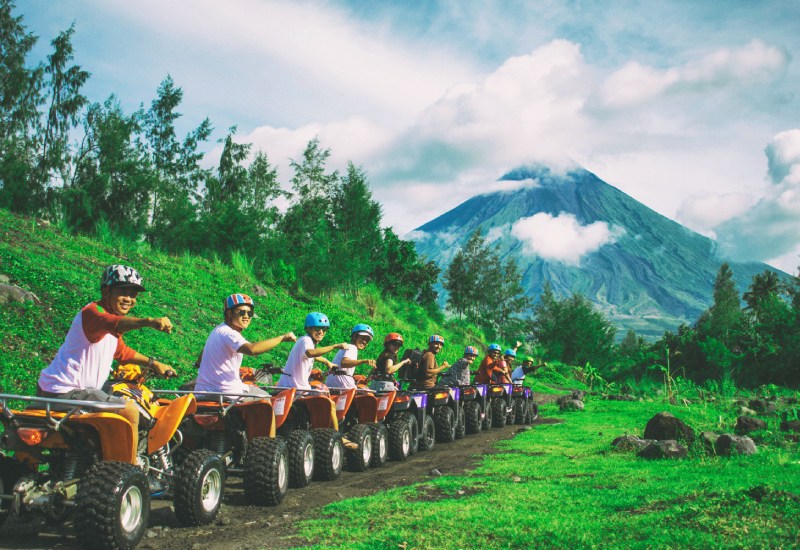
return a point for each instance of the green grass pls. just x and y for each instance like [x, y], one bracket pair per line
[562, 485]
[64, 272]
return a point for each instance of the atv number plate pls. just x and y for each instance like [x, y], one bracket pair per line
[383, 403]
[278, 405]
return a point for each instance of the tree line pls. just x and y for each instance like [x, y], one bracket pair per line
[91, 166]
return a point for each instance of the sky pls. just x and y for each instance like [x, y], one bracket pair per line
[690, 107]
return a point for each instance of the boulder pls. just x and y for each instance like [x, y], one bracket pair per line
[665, 426]
[12, 293]
[630, 443]
[622, 398]
[748, 424]
[790, 426]
[763, 406]
[258, 290]
[744, 411]
[663, 449]
[709, 440]
[571, 404]
[728, 444]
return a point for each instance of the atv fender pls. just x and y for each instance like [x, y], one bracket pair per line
[367, 407]
[259, 418]
[281, 405]
[167, 421]
[115, 432]
[344, 399]
[322, 411]
[384, 405]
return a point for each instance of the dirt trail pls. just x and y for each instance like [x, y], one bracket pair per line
[240, 526]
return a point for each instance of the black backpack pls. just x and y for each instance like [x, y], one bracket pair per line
[410, 371]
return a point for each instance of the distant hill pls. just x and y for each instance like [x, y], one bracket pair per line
[652, 275]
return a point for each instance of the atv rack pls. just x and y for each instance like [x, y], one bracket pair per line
[74, 407]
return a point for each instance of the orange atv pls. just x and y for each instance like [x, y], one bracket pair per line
[73, 458]
[240, 430]
[195, 480]
[307, 420]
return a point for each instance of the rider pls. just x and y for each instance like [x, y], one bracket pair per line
[225, 347]
[387, 364]
[94, 340]
[458, 374]
[428, 367]
[504, 367]
[305, 352]
[527, 367]
[488, 366]
[347, 360]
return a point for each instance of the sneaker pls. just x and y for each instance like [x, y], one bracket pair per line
[349, 445]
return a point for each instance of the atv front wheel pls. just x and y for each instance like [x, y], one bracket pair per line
[487, 417]
[400, 439]
[428, 434]
[330, 454]
[445, 424]
[380, 445]
[199, 486]
[266, 471]
[113, 506]
[413, 425]
[358, 459]
[461, 428]
[498, 413]
[472, 417]
[301, 458]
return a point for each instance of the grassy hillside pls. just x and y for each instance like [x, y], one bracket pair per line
[64, 272]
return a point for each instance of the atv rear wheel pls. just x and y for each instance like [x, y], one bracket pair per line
[498, 413]
[461, 428]
[380, 444]
[445, 424]
[487, 417]
[520, 410]
[472, 417]
[413, 425]
[266, 471]
[400, 438]
[427, 434]
[330, 454]
[301, 458]
[113, 506]
[10, 472]
[358, 459]
[199, 486]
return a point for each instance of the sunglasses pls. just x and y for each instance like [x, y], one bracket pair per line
[244, 313]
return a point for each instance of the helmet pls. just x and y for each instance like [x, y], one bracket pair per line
[510, 353]
[527, 359]
[117, 274]
[363, 329]
[494, 347]
[235, 300]
[393, 337]
[317, 319]
[469, 350]
[436, 338]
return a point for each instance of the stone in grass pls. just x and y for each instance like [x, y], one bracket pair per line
[763, 406]
[668, 448]
[709, 440]
[571, 405]
[12, 293]
[748, 424]
[790, 426]
[630, 443]
[729, 444]
[665, 426]
[622, 398]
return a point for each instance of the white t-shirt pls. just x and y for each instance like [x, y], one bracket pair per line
[219, 367]
[517, 374]
[298, 365]
[340, 380]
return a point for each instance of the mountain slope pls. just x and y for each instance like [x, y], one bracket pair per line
[651, 276]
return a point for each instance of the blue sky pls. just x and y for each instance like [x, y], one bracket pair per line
[690, 107]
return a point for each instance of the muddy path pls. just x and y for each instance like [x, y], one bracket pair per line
[240, 526]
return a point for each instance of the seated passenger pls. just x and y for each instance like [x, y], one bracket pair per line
[305, 352]
[428, 367]
[458, 374]
[387, 364]
[346, 360]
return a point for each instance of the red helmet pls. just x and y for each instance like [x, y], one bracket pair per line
[235, 300]
[393, 337]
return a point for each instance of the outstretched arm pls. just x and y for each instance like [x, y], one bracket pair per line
[257, 348]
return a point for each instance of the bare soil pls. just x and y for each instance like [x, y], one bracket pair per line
[241, 526]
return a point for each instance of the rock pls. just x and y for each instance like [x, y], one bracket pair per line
[524, 429]
[435, 472]
[630, 443]
[516, 479]
[579, 395]
[258, 290]
[790, 426]
[11, 293]
[664, 426]
[571, 405]
[4, 279]
[709, 440]
[151, 534]
[763, 406]
[728, 444]
[744, 411]
[748, 424]
[668, 448]
[621, 398]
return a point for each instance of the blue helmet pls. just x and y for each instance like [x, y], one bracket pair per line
[469, 350]
[362, 329]
[494, 347]
[435, 338]
[510, 353]
[317, 319]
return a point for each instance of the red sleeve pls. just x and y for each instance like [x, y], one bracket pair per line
[123, 353]
[97, 324]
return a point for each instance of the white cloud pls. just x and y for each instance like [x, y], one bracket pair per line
[496, 233]
[703, 213]
[562, 238]
[635, 83]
